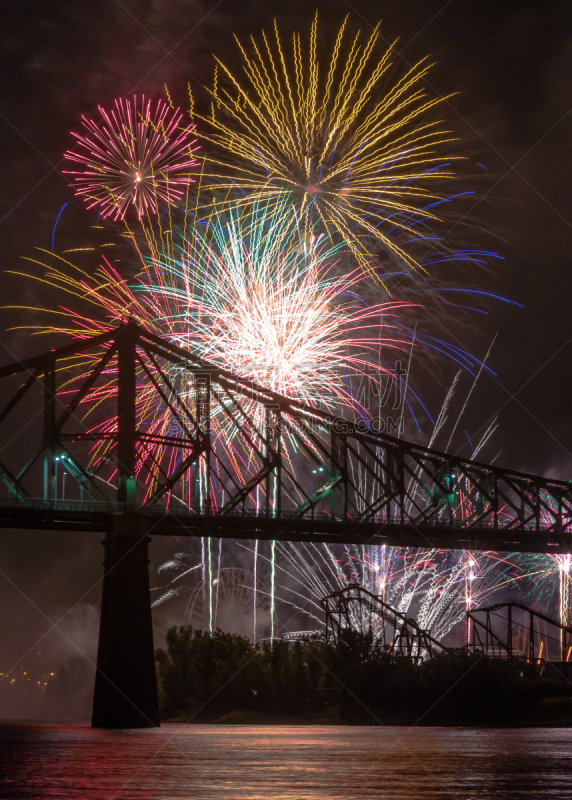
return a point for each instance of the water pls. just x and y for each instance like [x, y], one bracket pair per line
[283, 763]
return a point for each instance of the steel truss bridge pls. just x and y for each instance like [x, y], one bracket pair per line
[129, 434]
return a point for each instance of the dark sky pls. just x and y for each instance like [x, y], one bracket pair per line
[511, 63]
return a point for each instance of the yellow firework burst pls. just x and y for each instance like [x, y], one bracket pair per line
[363, 151]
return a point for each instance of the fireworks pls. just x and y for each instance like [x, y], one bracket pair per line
[136, 155]
[435, 587]
[254, 293]
[247, 291]
[315, 178]
[262, 294]
[542, 569]
[348, 143]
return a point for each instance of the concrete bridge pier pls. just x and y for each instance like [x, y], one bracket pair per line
[125, 694]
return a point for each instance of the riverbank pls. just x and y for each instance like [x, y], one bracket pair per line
[551, 719]
[556, 713]
[222, 679]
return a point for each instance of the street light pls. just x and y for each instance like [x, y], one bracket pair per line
[56, 459]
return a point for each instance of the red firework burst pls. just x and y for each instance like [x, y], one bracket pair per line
[136, 155]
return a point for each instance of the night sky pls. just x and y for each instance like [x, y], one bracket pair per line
[510, 63]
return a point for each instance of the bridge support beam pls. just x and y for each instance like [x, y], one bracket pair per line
[125, 693]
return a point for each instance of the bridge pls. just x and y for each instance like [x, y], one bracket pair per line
[131, 435]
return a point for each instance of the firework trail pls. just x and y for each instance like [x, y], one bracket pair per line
[136, 155]
[247, 291]
[254, 603]
[549, 576]
[434, 586]
[437, 587]
[258, 295]
[350, 142]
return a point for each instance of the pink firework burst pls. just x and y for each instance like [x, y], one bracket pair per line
[134, 156]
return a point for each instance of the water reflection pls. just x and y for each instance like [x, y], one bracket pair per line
[284, 763]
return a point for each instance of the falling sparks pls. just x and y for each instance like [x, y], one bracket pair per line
[350, 142]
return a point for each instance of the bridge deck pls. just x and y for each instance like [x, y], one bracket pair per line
[319, 527]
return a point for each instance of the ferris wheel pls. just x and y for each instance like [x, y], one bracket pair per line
[231, 602]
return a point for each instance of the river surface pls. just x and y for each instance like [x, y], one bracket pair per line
[284, 763]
